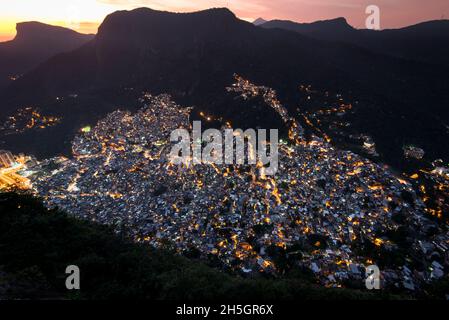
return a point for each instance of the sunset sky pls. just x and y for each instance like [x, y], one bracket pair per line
[85, 15]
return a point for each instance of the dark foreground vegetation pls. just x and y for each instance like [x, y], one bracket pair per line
[36, 246]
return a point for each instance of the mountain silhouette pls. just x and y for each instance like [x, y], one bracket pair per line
[425, 42]
[259, 21]
[34, 43]
[193, 57]
[325, 29]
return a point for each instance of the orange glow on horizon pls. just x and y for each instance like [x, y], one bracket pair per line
[85, 15]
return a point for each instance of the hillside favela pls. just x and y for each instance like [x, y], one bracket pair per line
[353, 104]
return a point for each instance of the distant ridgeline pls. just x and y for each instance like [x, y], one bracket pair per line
[35, 43]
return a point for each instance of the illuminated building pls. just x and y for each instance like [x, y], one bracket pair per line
[11, 171]
[6, 159]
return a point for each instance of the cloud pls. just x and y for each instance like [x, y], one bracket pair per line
[88, 27]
